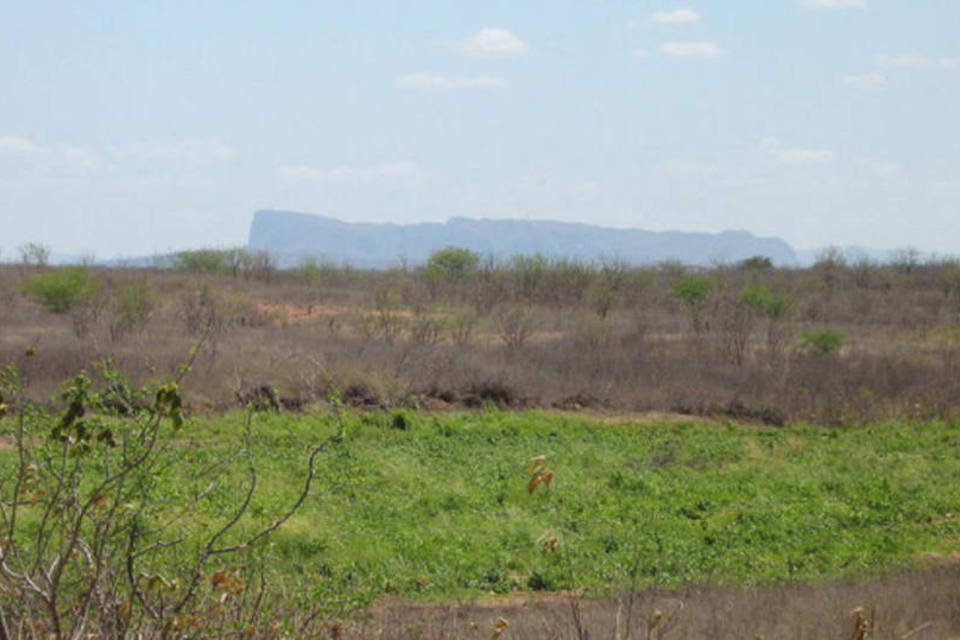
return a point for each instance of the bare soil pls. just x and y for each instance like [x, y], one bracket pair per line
[921, 604]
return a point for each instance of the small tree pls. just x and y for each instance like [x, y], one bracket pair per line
[449, 266]
[453, 264]
[35, 253]
[692, 291]
[771, 306]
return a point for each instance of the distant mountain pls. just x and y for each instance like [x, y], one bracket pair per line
[293, 236]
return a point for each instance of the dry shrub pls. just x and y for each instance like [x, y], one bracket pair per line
[532, 326]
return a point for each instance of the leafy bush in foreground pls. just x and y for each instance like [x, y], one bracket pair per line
[92, 541]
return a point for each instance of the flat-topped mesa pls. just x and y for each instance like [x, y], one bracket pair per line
[293, 236]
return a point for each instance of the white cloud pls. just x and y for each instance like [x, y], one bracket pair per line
[916, 61]
[905, 61]
[88, 198]
[808, 196]
[188, 151]
[795, 156]
[891, 65]
[30, 164]
[394, 174]
[20, 155]
[703, 49]
[12, 145]
[885, 169]
[690, 169]
[494, 42]
[870, 81]
[434, 82]
[945, 187]
[675, 16]
[835, 4]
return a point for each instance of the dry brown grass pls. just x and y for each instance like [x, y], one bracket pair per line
[921, 604]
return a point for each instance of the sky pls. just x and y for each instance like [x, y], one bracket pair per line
[133, 128]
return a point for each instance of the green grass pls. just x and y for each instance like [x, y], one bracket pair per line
[441, 510]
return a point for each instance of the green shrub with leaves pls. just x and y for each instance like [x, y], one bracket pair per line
[63, 290]
[93, 542]
[761, 299]
[203, 260]
[692, 291]
[822, 341]
[452, 263]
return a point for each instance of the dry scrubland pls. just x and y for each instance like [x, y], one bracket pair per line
[837, 343]
[414, 499]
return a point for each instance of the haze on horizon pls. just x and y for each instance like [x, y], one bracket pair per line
[135, 128]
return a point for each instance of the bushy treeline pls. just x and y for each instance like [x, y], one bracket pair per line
[839, 341]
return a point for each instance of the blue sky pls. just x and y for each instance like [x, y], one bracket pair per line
[138, 127]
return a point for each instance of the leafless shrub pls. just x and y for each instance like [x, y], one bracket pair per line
[387, 318]
[514, 325]
[202, 311]
[463, 325]
[425, 328]
[130, 308]
[735, 321]
[591, 334]
[898, 359]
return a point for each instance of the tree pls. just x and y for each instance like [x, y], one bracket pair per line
[771, 306]
[35, 253]
[692, 291]
[452, 264]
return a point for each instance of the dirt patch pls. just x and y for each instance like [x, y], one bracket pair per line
[919, 604]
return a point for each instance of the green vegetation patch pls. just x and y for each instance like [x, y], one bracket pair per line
[440, 505]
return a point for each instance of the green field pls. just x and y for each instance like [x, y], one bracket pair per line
[440, 508]
[436, 506]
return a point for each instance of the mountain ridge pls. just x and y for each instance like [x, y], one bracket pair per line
[293, 236]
